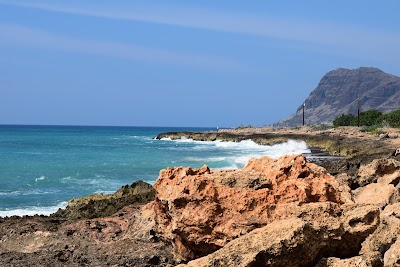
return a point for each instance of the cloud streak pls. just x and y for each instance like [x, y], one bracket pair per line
[12, 35]
[316, 36]
[357, 40]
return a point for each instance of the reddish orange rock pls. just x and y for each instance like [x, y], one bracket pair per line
[199, 211]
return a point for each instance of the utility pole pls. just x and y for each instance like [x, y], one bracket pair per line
[358, 111]
[304, 105]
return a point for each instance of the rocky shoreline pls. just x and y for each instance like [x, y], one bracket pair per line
[282, 212]
[354, 146]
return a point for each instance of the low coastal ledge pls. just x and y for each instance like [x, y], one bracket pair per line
[356, 147]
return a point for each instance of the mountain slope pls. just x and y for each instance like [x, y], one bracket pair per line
[337, 94]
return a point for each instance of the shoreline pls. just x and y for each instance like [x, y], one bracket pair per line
[335, 138]
[354, 146]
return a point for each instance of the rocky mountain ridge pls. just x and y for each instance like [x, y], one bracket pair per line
[337, 93]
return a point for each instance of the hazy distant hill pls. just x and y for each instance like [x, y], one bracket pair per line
[337, 94]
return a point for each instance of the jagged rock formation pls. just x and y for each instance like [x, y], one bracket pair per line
[200, 211]
[100, 205]
[337, 94]
[357, 233]
[298, 241]
[70, 238]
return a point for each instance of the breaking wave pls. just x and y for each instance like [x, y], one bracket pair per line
[237, 153]
[33, 210]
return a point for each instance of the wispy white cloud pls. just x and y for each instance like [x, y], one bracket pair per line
[318, 36]
[11, 34]
[330, 36]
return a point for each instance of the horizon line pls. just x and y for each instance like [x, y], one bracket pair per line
[86, 125]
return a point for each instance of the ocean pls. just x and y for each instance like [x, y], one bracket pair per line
[42, 167]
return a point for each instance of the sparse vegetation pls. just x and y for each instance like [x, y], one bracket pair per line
[241, 126]
[374, 129]
[392, 118]
[345, 120]
[373, 118]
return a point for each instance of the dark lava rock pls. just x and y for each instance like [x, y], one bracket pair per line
[99, 205]
[98, 230]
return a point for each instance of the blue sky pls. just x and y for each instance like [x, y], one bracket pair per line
[181, 63]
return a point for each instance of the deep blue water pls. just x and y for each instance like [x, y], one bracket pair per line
[42, 167]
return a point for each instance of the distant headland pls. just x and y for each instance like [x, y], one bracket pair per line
[339, 92]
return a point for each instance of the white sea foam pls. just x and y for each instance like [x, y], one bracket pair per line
[126, 137]
[33, 210]
[166, 139]
[7, 193]
[241, 151]
[289, 147]
[104, 192]
[150, 181]
[212, 159]
[40, 178]
[140, 137]
[65, 179]
[245, 144]
[29, 192]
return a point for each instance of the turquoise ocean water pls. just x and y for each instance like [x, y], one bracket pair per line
[42, 167]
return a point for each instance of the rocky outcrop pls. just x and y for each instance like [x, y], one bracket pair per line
[100, 205]
[377, 194]
[380, 178]
[392, 256]
[117, 236]
[293, 214]
[297, 241]
[385, 236]
[386, 170]
[200, 211]
[338, 91]
[369, 260]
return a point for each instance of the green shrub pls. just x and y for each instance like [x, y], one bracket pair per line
[241, 126]
[369, 118]
[392, 118]
[373, 129]
[345, 120]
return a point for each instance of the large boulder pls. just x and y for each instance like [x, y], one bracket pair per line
[392, 256]
[381, 178]
[376, 194]
[200, 211]
[384, 239]
[103, 205]
[387, 170]
[125, 238]
[368, 260]
[299, 241]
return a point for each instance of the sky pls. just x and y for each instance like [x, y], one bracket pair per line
[182, 63]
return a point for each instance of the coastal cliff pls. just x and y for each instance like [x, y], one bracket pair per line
[273, 212]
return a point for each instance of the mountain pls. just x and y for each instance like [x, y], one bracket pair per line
[338, 91]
